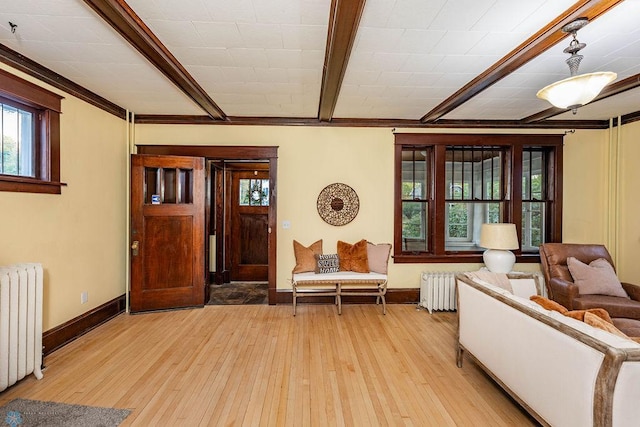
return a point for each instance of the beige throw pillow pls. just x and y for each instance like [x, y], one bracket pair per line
[378, 256]
[598, 277]
[306, 257]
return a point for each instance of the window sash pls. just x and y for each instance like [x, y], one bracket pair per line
[504, 197]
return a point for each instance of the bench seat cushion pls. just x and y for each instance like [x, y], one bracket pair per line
[339, 277]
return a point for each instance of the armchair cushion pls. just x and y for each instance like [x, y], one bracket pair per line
[597, 322]
[598, 277]
[616, 306]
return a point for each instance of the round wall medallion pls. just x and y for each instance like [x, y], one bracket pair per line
[338, 204]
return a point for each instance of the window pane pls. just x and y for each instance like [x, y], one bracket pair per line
[473, 173]
[17, 142]
[414, 226]
[265, 192]
[463, 223]
[533, 231]
[25, 152]
[244, 192]
[414, 174]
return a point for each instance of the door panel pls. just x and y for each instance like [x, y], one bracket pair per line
[167, 232]
[249, 239]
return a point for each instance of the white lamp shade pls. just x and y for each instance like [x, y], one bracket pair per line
[576, 91]
[499, 236]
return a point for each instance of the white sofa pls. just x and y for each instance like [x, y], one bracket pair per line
[562, 371]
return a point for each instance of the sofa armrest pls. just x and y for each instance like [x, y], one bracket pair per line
[563, 292]
[632, 290]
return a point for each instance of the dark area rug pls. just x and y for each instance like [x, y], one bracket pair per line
[28, 413]
[236, 293]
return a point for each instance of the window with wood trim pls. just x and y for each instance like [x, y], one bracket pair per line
[30, 146]
[448, 185]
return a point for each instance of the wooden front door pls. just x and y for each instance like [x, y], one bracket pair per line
[167, 232]
[249, 237]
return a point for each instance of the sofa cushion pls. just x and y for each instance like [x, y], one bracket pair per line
[548, 304]
[306, 256]
[598, 277]
[378, 256]
[327, 263]
[353, 257]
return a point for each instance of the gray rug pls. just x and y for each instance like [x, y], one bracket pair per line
[26, 413]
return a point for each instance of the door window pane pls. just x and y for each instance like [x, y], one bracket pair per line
[254, 192]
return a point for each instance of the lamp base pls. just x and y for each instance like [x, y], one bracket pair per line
[499, 261]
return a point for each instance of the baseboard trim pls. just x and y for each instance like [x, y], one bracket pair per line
[61, 335]
[394, 296]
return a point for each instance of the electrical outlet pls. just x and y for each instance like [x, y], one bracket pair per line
[84, 297]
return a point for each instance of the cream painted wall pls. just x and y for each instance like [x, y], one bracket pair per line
[628, 259]
[79, 235]
[585, 186]
[309, 159]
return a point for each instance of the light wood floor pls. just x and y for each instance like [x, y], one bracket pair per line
[259, 365]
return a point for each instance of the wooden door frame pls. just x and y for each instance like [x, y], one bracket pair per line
[215, 152]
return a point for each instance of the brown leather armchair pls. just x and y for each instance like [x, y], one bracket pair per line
[624, 311]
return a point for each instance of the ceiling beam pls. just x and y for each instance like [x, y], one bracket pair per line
[528, 50]
[343, 26]
[379, 123]
[124, 20]
[610, 90]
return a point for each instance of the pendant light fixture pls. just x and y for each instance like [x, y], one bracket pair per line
[579, 89]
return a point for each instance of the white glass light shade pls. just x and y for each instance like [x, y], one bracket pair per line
[498, 239]
[576, 91]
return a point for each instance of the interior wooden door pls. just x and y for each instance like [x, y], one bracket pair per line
[167, 232]
[249, 238]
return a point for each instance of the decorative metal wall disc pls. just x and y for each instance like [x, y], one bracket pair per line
[338, 204]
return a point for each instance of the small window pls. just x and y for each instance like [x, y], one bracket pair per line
[254, 192]
[30, 146]
[18, 140]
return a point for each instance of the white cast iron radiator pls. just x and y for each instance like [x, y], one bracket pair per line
[20, 323]
[438, 290]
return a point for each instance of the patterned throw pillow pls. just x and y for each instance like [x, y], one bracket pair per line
[327, 263]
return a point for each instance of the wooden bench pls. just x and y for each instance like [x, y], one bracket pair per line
[337, 285]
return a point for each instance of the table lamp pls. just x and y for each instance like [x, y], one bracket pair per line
[498, 239]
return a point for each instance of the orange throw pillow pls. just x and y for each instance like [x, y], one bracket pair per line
[306, 257]
[548, 304]
[353, 257]
[600, 312]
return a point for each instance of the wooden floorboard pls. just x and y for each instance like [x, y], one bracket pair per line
[258, 365]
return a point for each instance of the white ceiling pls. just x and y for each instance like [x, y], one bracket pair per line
[264, 58]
